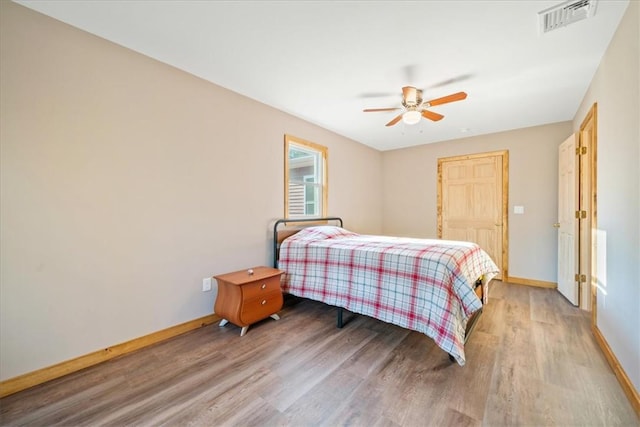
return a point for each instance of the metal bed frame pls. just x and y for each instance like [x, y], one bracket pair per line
[471, 324]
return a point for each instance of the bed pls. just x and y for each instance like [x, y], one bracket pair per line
[435, 287]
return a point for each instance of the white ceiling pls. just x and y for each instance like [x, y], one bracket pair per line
[325, 61]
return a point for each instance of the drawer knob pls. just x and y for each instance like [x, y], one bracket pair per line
[264, 286]
[264, 301]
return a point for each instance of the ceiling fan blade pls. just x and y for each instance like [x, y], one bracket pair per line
[449, 98]
[411, 73]
[378, 94]
[395, 120]
[456, 79]
[431, 115]
[373, 110]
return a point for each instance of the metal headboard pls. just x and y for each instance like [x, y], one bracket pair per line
[284, 221]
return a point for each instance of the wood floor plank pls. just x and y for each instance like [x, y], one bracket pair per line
[368, 358]
[454, 418]
[239, 401]
[532, 360]
[329, 396]
[304, 369]
[548, 308]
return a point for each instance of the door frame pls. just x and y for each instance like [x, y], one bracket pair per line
[504, 268]
[588, 188]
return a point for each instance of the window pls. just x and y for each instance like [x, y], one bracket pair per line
[305, 176]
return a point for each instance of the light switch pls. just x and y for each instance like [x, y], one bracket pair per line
[518, 210]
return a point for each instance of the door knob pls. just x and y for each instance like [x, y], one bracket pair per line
[556, 225]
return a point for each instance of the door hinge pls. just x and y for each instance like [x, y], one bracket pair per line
[581, 214]
[581, 150]
[580, 278]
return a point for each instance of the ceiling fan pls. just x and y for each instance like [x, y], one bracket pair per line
[415, 108]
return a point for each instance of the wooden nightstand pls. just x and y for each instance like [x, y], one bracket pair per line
[247, 296]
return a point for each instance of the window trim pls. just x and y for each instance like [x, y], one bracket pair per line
[323, 151]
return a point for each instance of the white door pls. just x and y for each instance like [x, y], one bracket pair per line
[567, 221]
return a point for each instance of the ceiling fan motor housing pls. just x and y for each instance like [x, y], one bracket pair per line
[411, 97]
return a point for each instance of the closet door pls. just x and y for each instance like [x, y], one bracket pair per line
[471, 204]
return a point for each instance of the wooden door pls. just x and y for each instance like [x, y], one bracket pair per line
[567, 224]
[472, 203]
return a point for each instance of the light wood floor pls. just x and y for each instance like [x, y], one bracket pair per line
[531, 361]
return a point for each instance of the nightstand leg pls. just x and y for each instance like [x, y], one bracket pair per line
[244, 331]
[223, 322]
[275, 317]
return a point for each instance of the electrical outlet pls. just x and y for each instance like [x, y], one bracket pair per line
[206, 284]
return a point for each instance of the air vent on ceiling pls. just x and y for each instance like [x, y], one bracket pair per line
[566, 13]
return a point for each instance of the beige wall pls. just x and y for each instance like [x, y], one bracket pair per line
[125, 182]
[410, 189]
[616, 89]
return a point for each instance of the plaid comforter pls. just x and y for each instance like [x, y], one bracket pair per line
[422, 285]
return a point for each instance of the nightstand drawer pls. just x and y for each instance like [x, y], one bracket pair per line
[265, 305]
[261, 287]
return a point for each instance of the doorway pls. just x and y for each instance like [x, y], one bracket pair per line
[473, 203]
[577, 213]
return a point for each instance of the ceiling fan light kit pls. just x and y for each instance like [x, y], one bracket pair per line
[415, 108]
[411, 117]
